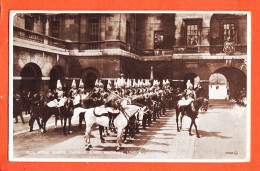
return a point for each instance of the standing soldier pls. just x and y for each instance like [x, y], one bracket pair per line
[28, 100]
[73, 90]
[81, 87]
[17, 107]
[42, 103]
[35, 111]
[60, 97]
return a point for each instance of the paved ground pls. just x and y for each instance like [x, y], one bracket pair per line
[222, 129]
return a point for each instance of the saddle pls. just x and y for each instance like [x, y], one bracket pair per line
[109, 112]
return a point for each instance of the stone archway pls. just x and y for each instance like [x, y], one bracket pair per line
[56, 73]
[236, 80]
[31, 78]
[194, 79]
[89, 77]
[218, 87]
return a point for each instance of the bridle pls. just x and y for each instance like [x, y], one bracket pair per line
[125, 113]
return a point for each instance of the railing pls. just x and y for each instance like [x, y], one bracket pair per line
[219, 49]
[28, 35]
[56, 42]
[99, 45]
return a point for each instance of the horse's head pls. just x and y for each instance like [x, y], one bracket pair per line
[142, 112]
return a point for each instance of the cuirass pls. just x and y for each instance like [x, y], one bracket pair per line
[190, 94]
[60, 94]
[74, 93]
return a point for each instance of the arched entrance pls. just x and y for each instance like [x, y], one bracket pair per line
[56, 73]
[89, 77]
[194, 79]
[236, 80]
[218, 87]
[31, 78]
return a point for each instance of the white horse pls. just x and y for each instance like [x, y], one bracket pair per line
[120, 122]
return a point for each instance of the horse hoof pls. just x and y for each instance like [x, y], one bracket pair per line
[55, 127]
[190, 134]
[87, 149]
[65, 134]
[42, 131]
[178, 130]
[70, 132]
[117, 149]
[90, 146]
[125, 141]
[102, 141]
[198, 136]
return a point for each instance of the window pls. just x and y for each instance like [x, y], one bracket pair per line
[28, 22]
[93, 30]
[127, 32]
[229, 32]
[55, 29]
[158, 39]
[192, 34]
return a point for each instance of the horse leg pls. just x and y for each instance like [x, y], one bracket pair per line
[154, 115]
[70, 125]
[182, 115]
[126, 132]
[192, 121]
[107, 134]
[119, 138]
[144, 121]
[80, 120]
[87, 137]
[101, 128]
[198, 136]
[61, 121]
[56, 120]
[149, 118]
[177, 119]
[64, 126]
[137, 127]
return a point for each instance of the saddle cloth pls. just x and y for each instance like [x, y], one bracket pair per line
[76, 100]
[55, 103]
[102, 109]
[52, 104]
[184, 102]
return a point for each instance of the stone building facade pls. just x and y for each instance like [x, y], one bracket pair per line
[179, 47]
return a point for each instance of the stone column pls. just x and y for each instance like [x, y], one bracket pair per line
[47, 30]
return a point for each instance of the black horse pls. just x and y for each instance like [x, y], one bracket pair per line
[47, 113]
[192, 111]
[64, 112]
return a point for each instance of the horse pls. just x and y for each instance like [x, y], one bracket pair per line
[192, 111]
[120, 122]
[59, 110]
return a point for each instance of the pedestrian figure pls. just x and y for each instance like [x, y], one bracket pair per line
[17, 107]
[35, 111]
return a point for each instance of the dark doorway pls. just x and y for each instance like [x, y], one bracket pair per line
[31, 78]
[56, 73]
[190, 77]
[90, 80]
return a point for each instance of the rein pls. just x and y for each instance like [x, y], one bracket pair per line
[125, 113]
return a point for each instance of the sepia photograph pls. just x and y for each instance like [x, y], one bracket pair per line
[132, 86]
